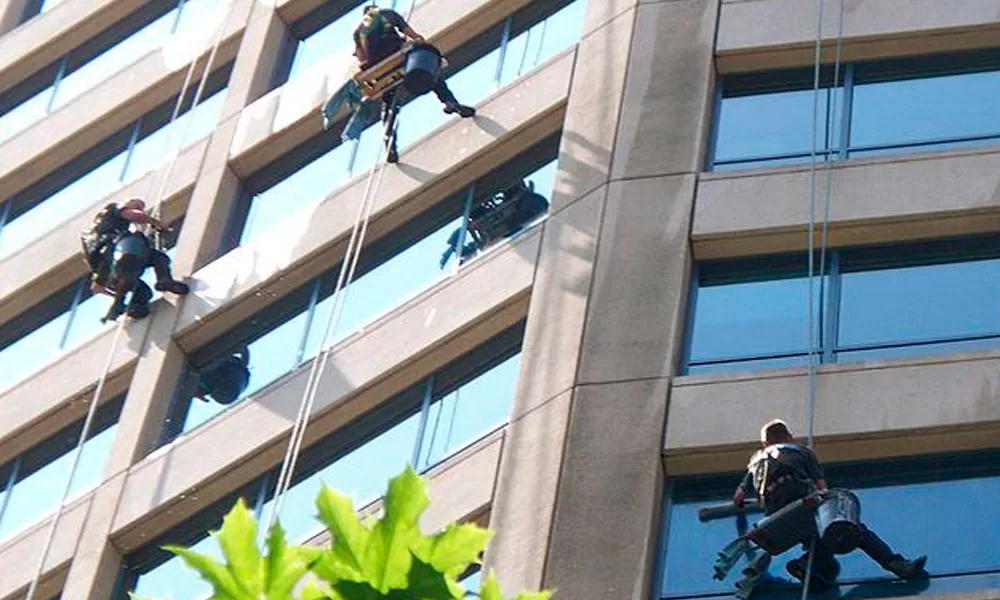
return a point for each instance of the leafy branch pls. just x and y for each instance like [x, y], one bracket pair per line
[388, 558]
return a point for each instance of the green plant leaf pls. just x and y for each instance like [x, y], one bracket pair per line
[212, 571]
[238, 540]
[286, 565]
[455, 548]
[427, 583]
[350, 539]
[388, 553]
[357, 590]
[490, 588]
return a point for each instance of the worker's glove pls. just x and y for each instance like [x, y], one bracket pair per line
[739, 498]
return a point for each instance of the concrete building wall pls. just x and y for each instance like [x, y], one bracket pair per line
[602, 418]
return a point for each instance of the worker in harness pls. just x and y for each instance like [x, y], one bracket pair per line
[783, 471]
[381, 34]
[110, 226]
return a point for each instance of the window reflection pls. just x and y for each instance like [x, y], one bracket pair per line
[876, 303]
[941, 506]
[468, 399]
[392, 270]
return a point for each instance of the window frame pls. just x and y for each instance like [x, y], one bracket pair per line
[840, 261]
[901, 69]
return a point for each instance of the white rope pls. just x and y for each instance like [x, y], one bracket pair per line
[105, 371]
[347, 269]
[828, 169]
[77, 453]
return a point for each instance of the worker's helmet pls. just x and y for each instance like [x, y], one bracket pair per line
[774, 424]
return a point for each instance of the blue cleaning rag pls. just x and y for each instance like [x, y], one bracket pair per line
[364, 112]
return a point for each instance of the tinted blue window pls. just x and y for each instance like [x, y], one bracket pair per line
[906, 105]
[877, 303]
[927, 506]
[919, 303]
[128, 161]
[84, 69]
[35, 479]
[398, 272]
[935, 108]
[773, 126]
[476, 401]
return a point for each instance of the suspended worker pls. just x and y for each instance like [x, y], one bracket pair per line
[381, 34]
[110, 225]
[783, 471]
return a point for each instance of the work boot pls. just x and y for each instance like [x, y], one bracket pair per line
[819, 580]
[463, 111]
[174, 286]
[138, 311]
[907, 569]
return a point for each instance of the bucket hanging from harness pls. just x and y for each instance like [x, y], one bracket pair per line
[837, 520]
[421, 68]
[130, 257]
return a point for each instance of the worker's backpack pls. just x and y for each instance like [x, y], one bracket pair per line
[374, 26]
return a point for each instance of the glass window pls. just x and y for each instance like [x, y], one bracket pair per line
[939, 506]
[391, 270]
[476, 393]
[932, 102]
[876, 303]
[99, 58]
[278, 192]
[123, 157]
[35, 479]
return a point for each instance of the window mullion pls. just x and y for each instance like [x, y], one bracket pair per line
[504, 41]
[832, 317]
[133, 139]
[77, 297]
[422, 426]
[60, 74]
[846, 111]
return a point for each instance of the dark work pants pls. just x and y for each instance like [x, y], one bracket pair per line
[161, 265]
[868, 542]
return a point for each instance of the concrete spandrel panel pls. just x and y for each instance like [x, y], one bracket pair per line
[749, 27]
[26, 548]
[254, 275]
[388, 345]
[886, 400]
[869, 200]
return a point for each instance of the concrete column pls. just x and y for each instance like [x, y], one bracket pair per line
[11, 12]
[98, 563]
[580, 483]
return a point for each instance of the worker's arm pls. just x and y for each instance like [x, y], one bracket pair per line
[740, 495]
[97, 288]
[412, 35]
[400, 23]
[134, 215]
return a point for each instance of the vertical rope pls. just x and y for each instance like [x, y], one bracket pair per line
[105, 371]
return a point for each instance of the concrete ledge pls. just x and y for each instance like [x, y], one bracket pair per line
[47, 264]
[767, 34]
[20, 554]
[59, 393]
[251, 277]
[393, 353]
[289, 115]
[149, 81]
[863, 411]
[49, 36]
[909, 197]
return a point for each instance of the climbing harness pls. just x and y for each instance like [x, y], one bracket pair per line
[105, 371]
[348, 267]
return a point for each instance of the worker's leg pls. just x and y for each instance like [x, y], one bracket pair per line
[825, 567]
[138, 306]
[451, 104]
[165, 282]
[880, 552]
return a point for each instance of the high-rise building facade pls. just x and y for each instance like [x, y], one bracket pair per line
[582, 381]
